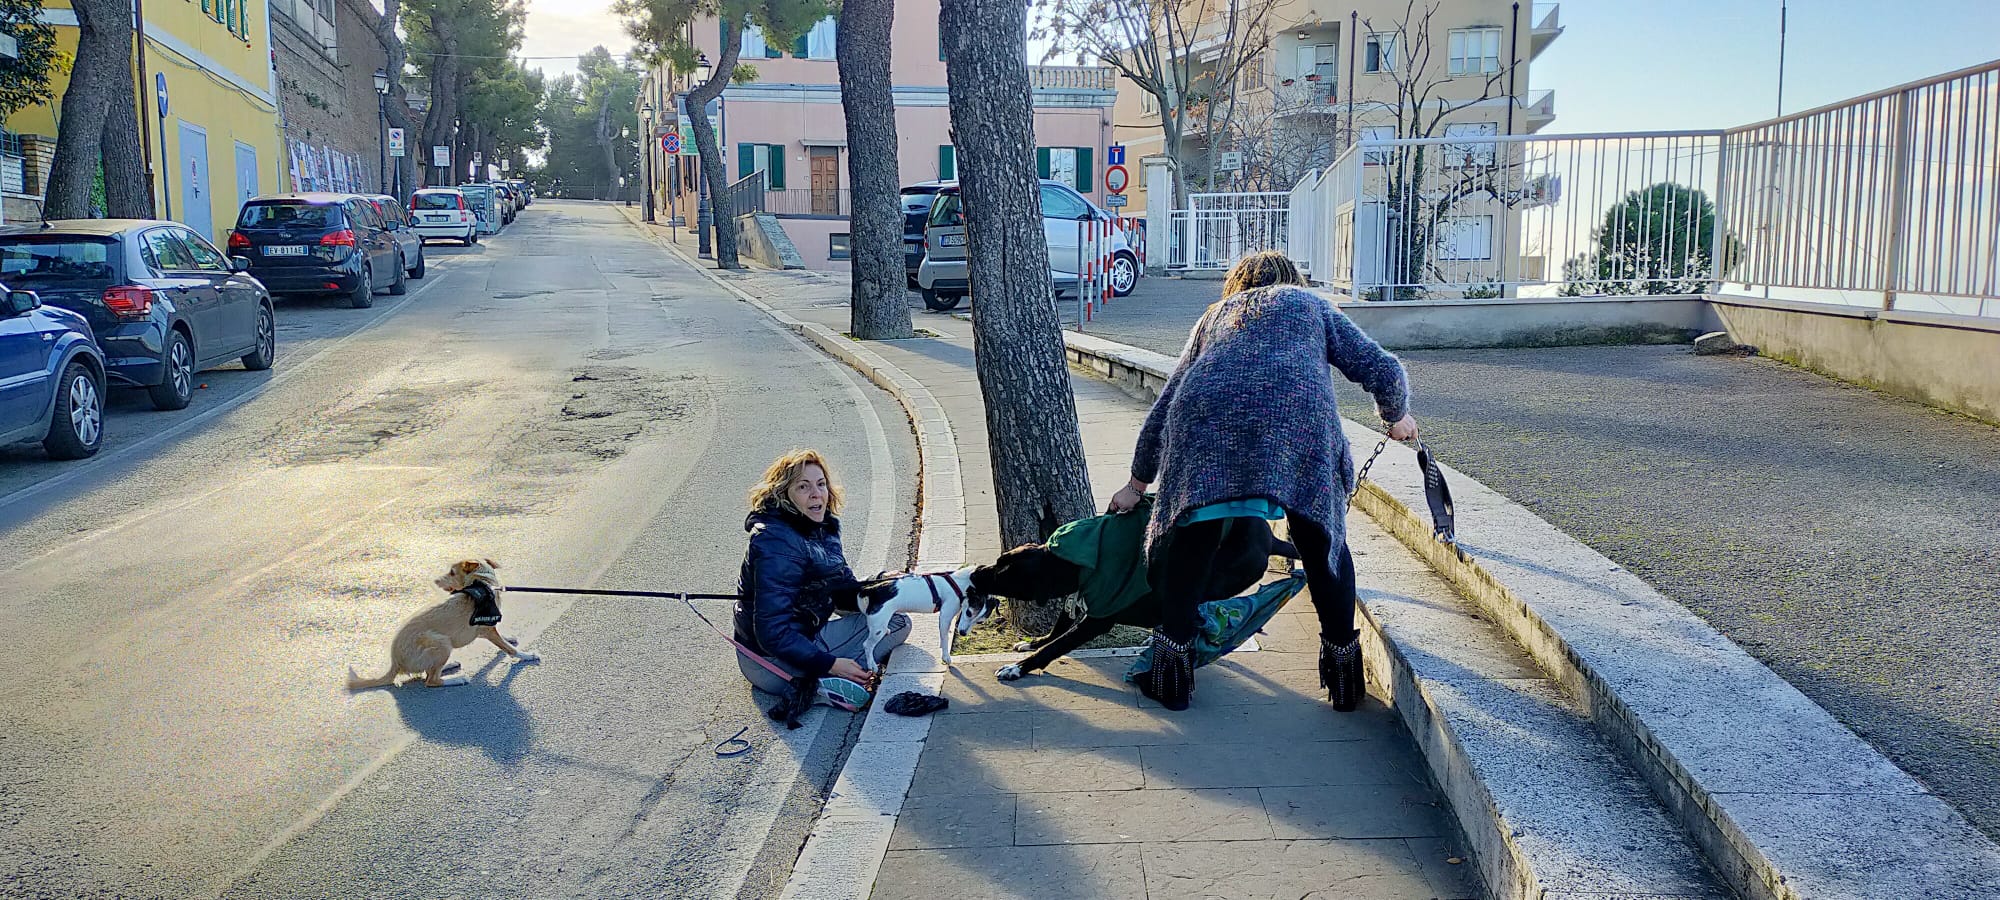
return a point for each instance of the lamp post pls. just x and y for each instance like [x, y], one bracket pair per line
[646, 159]
[703, 220]
[382, 123]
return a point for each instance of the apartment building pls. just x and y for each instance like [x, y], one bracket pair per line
[789, 124]
[217, 141]
[1328, 74]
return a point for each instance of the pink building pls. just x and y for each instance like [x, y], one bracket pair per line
[789, 124]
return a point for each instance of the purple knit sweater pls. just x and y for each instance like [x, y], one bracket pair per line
[1249, 411]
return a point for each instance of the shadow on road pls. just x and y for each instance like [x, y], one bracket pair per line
[484, 714]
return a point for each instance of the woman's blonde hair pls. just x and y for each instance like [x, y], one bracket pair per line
[1261, 269]
[769, 492]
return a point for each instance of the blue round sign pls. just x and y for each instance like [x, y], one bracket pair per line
[160, 87]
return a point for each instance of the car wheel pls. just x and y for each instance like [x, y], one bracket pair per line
[418, 272]
[400, 286]
[472, 238]
[942, 302]
[364, 289]
[259, 359]
[176, 388]
[76, 428]
[1124, 275]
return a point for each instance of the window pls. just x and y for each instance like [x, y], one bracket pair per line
[165, 253]
[1069, 165]
[1060, 204]
[820, 40]
[281, 213]
[947, 162]
[1475, 51]
[24, 259]
[1473, 152]
[1380, 53]
[766, 158]
[205, 257]
[837, 246]
[1149, 104]
[1466, 237]
[944, 210]
[1253, 73]
[1378, 156]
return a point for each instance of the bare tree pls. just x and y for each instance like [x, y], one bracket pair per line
[1189, 54]
[879, 307]
[1039, 477]
[1281, 141]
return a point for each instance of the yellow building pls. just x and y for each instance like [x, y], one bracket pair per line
[217, 143]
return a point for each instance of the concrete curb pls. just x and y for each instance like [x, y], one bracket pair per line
[845, 849]
[1783, 801]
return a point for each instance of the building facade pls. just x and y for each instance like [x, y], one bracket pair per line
[217, 142]
[789, 124]
[327, 56]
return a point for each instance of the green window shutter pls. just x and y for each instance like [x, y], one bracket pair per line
[208, 8]
[1041, 162]
[1084, 169]
[746, 160]
[771, 52]
[947, 162]
[776, 176]
[799, 47]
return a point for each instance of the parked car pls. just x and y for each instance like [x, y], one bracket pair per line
[526, 190]
[160, 300]
[485, 203]
[504, 196]
[916, 199]
[1066, 215]
[443, 213]
[320, 243]
[400, 226]
[51, 377]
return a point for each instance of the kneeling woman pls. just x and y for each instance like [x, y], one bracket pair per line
[794, 581]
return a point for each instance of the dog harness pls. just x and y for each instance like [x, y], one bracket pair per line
[485, 606]
[937, 599]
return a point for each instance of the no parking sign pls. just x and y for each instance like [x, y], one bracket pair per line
[670, 142]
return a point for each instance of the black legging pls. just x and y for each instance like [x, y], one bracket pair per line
[1180, 566]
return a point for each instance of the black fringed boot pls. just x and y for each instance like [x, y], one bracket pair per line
[1171, 678]
[1340, 673]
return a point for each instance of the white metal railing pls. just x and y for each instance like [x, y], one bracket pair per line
[1892, 198]
[1073, 78]
[1217, 229]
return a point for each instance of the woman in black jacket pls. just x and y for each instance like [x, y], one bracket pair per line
[794, 582]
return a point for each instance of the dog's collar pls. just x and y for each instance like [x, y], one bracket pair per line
[937, 600]
[485, 606]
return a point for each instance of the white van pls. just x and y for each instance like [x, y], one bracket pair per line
[1066, 214]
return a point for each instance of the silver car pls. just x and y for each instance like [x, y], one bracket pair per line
[1066, 217]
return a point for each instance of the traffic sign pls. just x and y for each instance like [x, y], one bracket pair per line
[1115, 154]
[396, 142]
[1115, 200]
[688, 147]
[1115, 179]
[671, 143]
[160, 87]
[441, 156]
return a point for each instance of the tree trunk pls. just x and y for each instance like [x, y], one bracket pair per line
[438, 128]
[880, 304]
[103, 50]
[605, 144]
[709, 151]
[397, 110]
[127, 192]
[1040, 480]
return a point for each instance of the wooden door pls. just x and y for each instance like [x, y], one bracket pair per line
[825, 181]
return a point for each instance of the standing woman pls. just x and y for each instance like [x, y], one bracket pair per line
[1246, 427]
[794, 581]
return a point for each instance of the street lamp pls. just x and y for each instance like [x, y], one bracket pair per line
[382, 123]
[702, 69]
[646, 158]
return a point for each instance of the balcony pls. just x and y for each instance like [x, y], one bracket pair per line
[1304, 97]
[1538, 109]
[1546, 27]
[1072, 78]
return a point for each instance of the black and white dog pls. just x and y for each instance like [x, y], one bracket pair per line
[959, 607]
[1032, 573]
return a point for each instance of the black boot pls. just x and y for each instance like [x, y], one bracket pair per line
[1171, 678]
[1340, 672]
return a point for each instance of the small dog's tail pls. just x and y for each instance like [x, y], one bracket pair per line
[357, 683]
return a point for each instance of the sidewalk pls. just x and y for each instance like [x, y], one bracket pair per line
[1070, 784]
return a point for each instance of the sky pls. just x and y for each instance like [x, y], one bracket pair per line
[1621, 65]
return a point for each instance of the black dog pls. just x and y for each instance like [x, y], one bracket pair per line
[1032, 573]
[803, 692]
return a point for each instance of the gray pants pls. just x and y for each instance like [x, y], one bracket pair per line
[841, 637]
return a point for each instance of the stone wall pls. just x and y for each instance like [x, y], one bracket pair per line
[327, 93]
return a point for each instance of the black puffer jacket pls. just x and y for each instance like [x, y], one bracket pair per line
[794, 577]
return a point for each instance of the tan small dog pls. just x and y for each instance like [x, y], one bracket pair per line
[424, 644]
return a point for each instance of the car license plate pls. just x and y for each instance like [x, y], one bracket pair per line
[438, 218]
[285, 250]
[951, 240]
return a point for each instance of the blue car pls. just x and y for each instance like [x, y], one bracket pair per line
[51, 377]
[162, 302]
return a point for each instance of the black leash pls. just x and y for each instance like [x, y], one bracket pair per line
[1437, 493]
[589, 592]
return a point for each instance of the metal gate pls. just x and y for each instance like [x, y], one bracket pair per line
[1216, 230]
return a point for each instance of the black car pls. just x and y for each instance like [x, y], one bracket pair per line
[396, 220]
[161, 301]
[318, 243]
[916, 199]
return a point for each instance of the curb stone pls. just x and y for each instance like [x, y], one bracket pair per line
[845, 849]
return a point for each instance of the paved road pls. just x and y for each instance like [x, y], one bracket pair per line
[564, 399]
[1845, 537]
